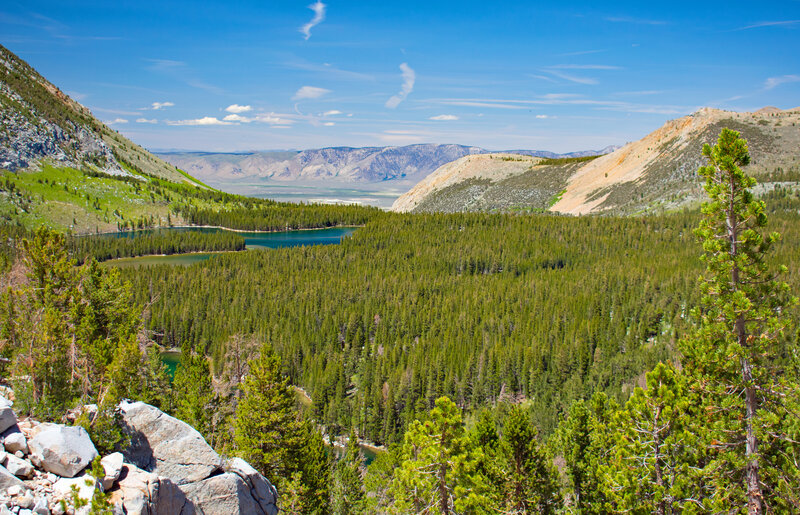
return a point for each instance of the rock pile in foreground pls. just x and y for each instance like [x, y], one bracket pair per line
[168, 469]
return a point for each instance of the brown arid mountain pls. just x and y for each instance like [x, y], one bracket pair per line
[655, 173]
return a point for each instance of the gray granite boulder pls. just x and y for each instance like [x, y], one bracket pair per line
[112, 465]
[222, 495]
[62, 450]
[260, 488]
[15, 441]
[166, 446]
[19, 467]
[7, 417]
[140, 492]
[7, 480]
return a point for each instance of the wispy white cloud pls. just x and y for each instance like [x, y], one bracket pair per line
[328, 124]
[782, 23]
[562, 99]
[631, 19]
[582, 52]
[310, 92]
[541, 77]
[542, 116]
[206, 120]
[319, 16]
[160, 105]
[237, 118]
[268, 118]
[237, 109]
[276, 120]
[327, 69]
[572, 78]
[481, 103]
[146, 120]
[774, 82]
[639, 93]
[117, 121]
[444, 117]
[332, 112]
[584, 67]
[409, 77]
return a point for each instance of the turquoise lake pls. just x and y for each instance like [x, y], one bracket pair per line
[253, 240]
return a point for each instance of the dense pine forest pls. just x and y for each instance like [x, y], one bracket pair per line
[507, 364]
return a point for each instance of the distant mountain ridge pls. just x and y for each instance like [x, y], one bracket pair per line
[346, 164]
[657, 172]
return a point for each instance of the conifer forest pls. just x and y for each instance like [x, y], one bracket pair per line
[489, 363]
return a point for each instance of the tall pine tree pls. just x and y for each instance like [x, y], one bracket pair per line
[738, 357]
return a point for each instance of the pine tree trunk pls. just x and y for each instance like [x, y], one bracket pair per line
[754, 495]
[661, 506]
[444, 498]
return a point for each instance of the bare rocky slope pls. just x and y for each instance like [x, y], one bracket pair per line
[655, 173]
[40, 124]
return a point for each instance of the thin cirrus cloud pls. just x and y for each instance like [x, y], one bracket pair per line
[117, 121]
[781, 23]
[310, 92]
[561, 99]
[205, 121]
[631, 19]
[332, 112]
[155, 106]
[774, 82]
[444, 117]
[237, 109]
[572, 78]
[319, 16]
[146, 120]
[409, 78]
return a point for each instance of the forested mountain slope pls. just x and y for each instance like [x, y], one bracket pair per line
[655, 173]
[412, 307]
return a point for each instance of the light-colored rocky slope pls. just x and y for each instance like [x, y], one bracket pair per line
[491, 167]
[657, 172]
[772, 134]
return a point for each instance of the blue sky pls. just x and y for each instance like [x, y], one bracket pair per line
[560, 76]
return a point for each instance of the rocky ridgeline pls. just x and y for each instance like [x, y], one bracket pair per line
[27, 137]
[168, 469]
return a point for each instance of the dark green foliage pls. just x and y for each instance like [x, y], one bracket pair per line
[438, 470]
[194, 394]
[347, 490]
[585, 442]
[281, 216]
[657, 451]
[740, 357]
[270, 434]
[413, 307]
[157, 242]
[529, 479]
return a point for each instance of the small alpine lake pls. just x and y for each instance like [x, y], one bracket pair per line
[253, 240]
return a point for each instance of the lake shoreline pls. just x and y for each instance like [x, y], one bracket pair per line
[133, 231]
